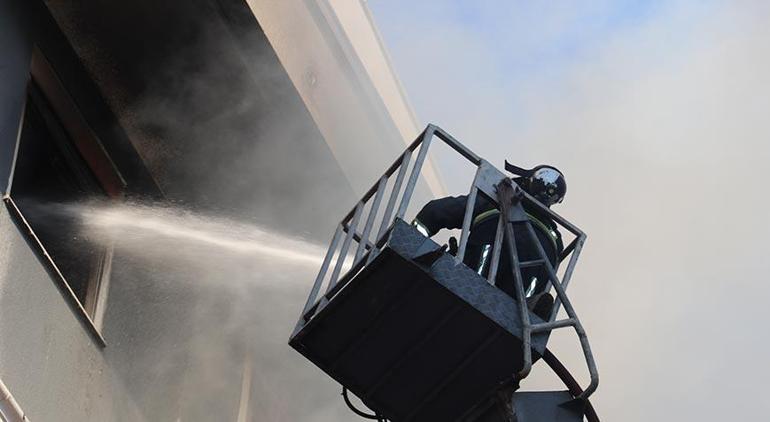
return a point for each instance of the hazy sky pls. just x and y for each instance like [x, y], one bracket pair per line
[658, 113]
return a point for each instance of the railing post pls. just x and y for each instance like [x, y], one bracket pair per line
[370, 219]
[426, 139]
[470, 205]
[321, 275]
[497, 249]
[351, 229]
[386, 217]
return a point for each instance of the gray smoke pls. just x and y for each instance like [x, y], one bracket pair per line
[661, 128]
[200, 294]
[212, 302]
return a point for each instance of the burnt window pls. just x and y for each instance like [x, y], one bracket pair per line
[50, 178]
[60, 166]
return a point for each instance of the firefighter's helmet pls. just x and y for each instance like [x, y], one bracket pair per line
[545, 183]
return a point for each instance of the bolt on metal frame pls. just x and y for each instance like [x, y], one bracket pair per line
[488, 180]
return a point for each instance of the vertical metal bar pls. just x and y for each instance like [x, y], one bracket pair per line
[466, 230]
[17, 142]
[593, 371]
[497, 251]
[322, 272]
[427, 137]
[567, 275]
[552, 325]
[394, 194]
[572, 262]
[370, 219]
[526, 324]
[470, 204]
[506, 192]
[551, 272]
[373, 252]
[345, 246]
[590, 362]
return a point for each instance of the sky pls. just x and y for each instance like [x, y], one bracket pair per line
[657, 112]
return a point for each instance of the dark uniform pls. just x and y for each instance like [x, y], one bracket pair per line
[448, 213]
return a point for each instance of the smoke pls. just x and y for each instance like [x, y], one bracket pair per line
[210, 110]
[206, 289]
[656, 112]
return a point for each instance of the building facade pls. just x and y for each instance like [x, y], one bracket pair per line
[273, 113]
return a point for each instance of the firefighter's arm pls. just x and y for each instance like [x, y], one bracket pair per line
[444, 213]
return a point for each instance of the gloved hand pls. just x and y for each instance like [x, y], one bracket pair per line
[453, 246]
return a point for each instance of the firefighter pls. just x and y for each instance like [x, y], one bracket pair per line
[546, 184]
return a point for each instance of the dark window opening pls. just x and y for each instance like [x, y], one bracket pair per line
[50, 178]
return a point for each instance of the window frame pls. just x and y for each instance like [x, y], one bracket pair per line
[91, 310]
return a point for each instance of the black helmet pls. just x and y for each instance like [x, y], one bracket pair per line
[545, 183]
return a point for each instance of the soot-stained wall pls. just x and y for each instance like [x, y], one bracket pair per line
[210, 109]
[209, 122]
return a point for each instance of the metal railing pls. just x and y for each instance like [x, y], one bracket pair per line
[489, 181]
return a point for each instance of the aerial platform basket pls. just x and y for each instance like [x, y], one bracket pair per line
[407, 327]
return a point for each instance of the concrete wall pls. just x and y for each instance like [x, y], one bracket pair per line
[177, 336]
[48, 360]
[169, 327]
[354, 99]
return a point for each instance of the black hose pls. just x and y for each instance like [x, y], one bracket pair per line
[357, 411]
[550, 359]
[572, 385]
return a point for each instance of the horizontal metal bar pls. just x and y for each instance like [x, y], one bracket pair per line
[547, 326]
[568, 250]
[457, 146]
[554, 216]
[418, 140]
[533, 263]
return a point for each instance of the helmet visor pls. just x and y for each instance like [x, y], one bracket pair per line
[548, 186]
